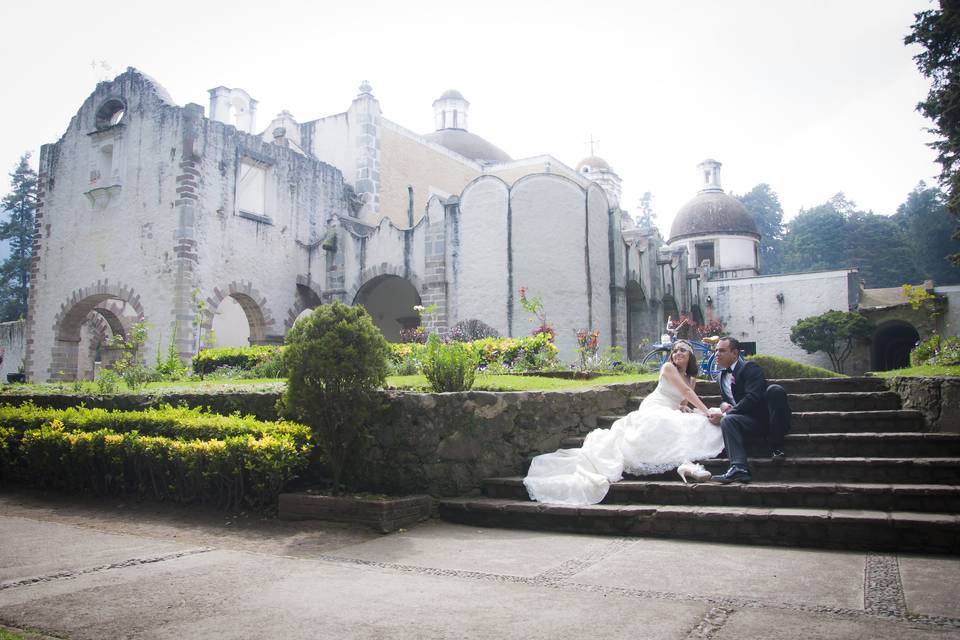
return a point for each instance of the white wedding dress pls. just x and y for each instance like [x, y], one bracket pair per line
[655, 438]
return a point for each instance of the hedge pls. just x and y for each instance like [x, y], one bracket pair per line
[181, 423]
[777, 368]
[246, 358]
[524, 352]
[245, 466]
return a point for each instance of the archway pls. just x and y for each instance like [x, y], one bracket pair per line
[390, 300]
[892, 343]
[96, 314]
[245, 317]
[670, 308]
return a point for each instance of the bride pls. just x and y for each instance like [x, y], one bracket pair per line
[669, 430]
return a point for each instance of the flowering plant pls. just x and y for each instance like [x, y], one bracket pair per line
[534, 305]
[589, 342]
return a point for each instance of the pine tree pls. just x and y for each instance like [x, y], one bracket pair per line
[21, 206]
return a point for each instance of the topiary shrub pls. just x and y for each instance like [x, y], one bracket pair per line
[336, 362]
[776, 368]
[449, 367]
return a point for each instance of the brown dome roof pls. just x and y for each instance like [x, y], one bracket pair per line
[712, 212]
[596, 163]
[469, 145]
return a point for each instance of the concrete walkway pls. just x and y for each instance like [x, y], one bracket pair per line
[95, 569]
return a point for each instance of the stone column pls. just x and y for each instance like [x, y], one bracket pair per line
[365, 113]
[435, 270]
[43, 179]
[185, 252]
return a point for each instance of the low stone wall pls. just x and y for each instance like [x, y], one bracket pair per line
[445, 444]
[937, 398]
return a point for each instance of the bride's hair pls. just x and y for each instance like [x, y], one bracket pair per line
[693, 367]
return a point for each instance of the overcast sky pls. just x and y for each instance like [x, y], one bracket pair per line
[812, 97]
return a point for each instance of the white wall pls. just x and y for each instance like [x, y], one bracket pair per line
[751, 312]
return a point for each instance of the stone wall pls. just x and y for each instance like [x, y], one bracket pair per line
[12, 344]
[937, 398]
[446, 444]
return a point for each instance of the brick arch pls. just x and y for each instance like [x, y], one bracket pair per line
[106, 299]
[384, 269]
[309, 296]
[253, 303]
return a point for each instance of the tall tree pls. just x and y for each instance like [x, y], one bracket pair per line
[938, 32]
[836, 235]
[764, 205]
[927, 225]
[814, 239]
[647, 218]
[20, 204]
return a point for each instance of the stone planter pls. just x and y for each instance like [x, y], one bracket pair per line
[16, 377]
[384, 515]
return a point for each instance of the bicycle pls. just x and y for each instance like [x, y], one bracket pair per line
[705, 352]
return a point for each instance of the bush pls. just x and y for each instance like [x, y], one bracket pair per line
[776, 368]
[245, 358]
[181, 423]
[449, 367]
[936, 351]
[167, 453]
[521, 354]
[336, 360]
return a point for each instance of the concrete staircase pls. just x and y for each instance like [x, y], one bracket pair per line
[861, 473]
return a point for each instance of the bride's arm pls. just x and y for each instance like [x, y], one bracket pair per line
[689, 395]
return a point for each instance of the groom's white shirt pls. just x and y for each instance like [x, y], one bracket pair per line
[726, 380]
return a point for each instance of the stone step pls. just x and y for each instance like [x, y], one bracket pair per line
[898, 420]
[937, 470]
[939, 498]
[873, 445]
[834, 528]
[867, 401]
[810, 385]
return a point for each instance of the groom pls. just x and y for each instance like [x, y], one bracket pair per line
[749, 408]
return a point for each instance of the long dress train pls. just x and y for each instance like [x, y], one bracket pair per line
[655, 438]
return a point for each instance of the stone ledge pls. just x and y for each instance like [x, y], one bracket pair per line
[384, 515]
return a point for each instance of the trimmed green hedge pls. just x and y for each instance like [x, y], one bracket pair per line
[777, 368]
[182, 455]
[528, 352]
[246, 358]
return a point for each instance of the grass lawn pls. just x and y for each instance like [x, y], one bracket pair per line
[412, 383]
[925, 371]
[485, 382]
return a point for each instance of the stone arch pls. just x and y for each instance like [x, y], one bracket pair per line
[389, 298]
[670, 307]
[383, 269]
[309, 296]
[109, 301]
[891, 345]
[254, 306]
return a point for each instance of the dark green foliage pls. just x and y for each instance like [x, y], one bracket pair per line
[833, 332]
[928, 226]
[180, 455]
[764, 206]
[835, 235]
[449, 367]
[21, 207]
[336, 360]
[776, 368]
[264, 358]
[938, 32]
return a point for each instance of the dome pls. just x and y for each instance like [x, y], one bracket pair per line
[469, 145]
[595, 163]
[451, 94]
[711, 213]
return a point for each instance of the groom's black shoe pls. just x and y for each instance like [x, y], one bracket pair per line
[734, 474]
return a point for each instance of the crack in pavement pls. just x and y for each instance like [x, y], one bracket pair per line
[132, 562]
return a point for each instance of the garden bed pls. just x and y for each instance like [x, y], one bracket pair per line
[383, 513]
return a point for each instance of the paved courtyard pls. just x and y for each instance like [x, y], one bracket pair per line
[72, 568]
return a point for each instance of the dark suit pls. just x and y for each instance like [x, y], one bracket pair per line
[758, 410]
